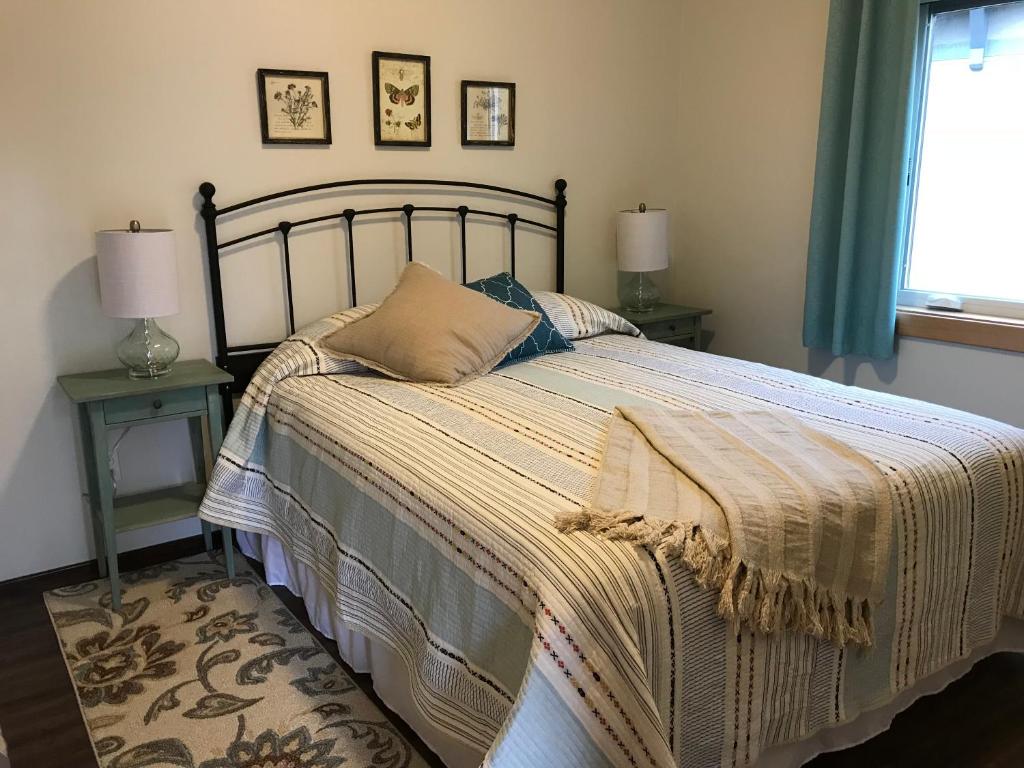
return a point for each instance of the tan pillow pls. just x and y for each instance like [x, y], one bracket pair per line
[433, 331]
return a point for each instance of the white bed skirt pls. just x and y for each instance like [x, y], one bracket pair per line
[390, 676]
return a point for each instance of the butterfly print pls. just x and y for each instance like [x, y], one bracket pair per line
[415, 123]
[406, 97]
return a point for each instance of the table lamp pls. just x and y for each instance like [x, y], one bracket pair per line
[642, 236]
[139, 280]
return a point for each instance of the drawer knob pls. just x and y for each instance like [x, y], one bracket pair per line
[672, 327]
[158, 404]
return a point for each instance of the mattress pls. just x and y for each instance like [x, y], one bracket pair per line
[425, 514]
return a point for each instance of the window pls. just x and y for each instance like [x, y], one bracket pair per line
[966, 234]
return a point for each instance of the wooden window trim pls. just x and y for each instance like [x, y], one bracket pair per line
[961, 328]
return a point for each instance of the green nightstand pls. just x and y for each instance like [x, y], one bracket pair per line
[670, 324]
[109, 399]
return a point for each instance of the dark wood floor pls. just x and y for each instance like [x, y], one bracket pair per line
[977, 721]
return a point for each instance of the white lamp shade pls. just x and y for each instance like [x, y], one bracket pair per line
[643, 240]
[138, 272]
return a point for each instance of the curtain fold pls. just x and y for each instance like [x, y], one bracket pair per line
[861, 178]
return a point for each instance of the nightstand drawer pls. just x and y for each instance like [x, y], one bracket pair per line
[669, 328]
[151, 406]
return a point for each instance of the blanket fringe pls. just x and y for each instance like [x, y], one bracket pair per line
[768, 601]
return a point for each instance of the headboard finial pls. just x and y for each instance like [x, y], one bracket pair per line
[207, 190]
[560, 185]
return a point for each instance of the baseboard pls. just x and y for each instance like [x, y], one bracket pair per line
[129, 561]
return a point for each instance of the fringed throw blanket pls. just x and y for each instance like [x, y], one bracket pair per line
[790, 525]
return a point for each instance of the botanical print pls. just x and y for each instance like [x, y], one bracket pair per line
[294, 107]
[201, 671]
[488, 113]
[489, 119]
[297, 104]
[403, 100]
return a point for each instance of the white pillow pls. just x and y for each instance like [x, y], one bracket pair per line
[578, 319]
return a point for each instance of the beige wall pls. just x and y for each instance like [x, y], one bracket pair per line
[116, 110]
[751, 89]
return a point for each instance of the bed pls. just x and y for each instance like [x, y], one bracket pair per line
[416, 522]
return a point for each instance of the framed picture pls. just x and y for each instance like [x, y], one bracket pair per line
[488, 114]
[401, 100]
[295, 106]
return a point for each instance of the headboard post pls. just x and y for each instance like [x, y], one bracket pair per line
[560, 186]
[209, 213]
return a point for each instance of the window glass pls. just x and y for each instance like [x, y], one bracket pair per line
[967, 235]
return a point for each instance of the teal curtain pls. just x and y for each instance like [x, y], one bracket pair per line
[860, 182]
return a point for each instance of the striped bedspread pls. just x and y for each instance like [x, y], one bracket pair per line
[428, 512]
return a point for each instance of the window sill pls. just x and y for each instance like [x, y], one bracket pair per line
[961, 328]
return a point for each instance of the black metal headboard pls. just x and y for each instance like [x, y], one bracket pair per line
[242, 360]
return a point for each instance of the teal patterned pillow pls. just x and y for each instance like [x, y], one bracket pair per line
[545, 338]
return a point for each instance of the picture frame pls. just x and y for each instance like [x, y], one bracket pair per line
[298, 110]
[401, 100]
[488, 114]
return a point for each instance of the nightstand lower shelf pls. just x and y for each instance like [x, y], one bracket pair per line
[164, 505]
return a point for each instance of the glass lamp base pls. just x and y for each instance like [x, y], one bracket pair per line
[640, 294]
[148, 351]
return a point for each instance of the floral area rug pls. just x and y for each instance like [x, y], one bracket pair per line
[200, 671]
